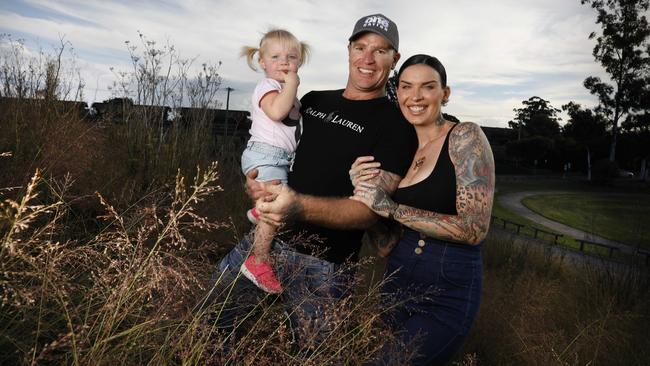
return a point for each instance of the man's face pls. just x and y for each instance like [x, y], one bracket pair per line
[370, 59]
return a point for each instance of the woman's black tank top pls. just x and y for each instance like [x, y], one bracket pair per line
[437, 192]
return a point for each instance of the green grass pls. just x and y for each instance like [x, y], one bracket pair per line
[623, 218]
[503, 213]
[507, 185]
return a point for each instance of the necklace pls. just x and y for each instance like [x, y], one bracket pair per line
[417, 163]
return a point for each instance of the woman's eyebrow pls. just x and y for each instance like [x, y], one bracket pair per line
[423, 83]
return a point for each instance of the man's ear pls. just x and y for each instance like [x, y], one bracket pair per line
[395, 59]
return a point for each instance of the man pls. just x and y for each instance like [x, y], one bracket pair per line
[338, 126]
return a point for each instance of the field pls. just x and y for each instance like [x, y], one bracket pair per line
[110, 232]
[621, 217]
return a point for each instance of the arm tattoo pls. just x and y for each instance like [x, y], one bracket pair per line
[474, 165]
[385, 185]
[382, 201]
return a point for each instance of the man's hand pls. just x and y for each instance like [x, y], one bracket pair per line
[255, 189]
[279, 204]
[384, 236]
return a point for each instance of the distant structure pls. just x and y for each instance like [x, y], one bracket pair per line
[60, 106]
[233, 123]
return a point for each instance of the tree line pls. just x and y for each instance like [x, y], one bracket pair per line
[616, 132]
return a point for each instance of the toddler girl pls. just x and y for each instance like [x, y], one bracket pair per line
[275, 131]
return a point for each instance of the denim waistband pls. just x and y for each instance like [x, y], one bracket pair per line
[413, 239]
[264, 148]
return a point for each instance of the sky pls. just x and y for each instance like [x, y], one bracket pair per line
[497, 53]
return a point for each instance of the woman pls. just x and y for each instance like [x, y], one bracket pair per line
[443, 205]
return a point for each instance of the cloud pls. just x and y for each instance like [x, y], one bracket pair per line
[496, 53]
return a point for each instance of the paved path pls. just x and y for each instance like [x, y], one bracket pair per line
[512, 201]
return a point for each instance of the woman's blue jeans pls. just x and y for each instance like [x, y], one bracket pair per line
[433, 291]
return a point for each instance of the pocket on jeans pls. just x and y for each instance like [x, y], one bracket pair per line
[458, 274]
[251, 159]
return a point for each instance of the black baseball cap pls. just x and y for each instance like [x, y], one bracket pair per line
[379, 24]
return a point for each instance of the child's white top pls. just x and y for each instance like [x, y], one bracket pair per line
[285, 133]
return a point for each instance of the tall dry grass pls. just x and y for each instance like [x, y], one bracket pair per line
[541, 309]
[125, 160]
[130, 294]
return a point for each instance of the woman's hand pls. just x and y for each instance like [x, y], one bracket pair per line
[375, 198]
[363, 169]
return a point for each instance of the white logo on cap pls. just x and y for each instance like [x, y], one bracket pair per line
[376, 21]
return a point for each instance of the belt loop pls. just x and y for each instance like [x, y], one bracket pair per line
[291, 159]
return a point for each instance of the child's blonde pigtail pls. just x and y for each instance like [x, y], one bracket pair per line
[305, 52]
[249, 53]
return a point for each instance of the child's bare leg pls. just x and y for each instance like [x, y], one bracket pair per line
[264, 234]
[257, 267]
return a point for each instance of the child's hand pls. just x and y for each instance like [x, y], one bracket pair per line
[292, 78]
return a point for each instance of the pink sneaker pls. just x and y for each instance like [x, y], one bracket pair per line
[253, 216]
[261, 275]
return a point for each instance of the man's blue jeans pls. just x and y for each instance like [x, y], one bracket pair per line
[310, 285]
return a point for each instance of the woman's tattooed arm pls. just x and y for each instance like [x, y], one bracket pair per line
[471, 155]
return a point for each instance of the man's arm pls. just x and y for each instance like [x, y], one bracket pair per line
[331, 212]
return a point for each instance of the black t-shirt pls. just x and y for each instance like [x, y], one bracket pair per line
[437, 192]
[335, 132]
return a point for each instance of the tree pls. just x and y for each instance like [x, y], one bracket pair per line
[587, 128]
[622, 49]
[584, 126]
[640, 122]
[536, 150]
[537, 118]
